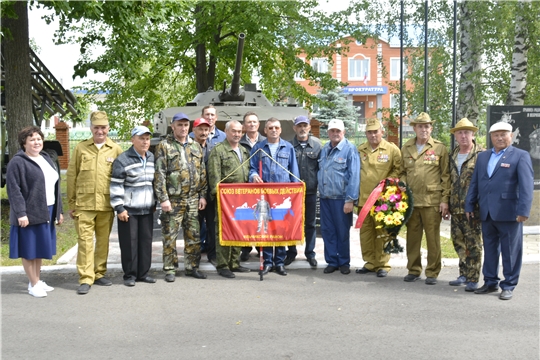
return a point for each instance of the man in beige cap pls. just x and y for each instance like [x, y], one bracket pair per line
[465, 233]
[379, 160]
[88, 181]
[425, 169]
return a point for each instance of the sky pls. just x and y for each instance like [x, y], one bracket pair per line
[61, 59]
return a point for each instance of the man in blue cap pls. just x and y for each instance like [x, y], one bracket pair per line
[307, 148]
[180, 186]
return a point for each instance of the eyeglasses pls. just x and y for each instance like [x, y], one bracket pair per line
[274, 128]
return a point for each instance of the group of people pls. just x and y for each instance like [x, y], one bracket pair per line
[487, 195]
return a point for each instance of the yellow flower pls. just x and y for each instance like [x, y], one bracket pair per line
[397, 216]
[379, 216]
[391, 190]
[404, 196]
[388, 219]
[372, 211]
[397, 222]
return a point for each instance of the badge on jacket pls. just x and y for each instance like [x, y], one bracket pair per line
[382, 158]
[505, 165]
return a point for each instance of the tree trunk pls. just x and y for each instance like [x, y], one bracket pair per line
[17, 74]
[518, 80]
[470, 53]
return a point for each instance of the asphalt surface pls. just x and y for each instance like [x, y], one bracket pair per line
[305, 315]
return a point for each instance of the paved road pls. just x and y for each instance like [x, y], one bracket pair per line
[306, 315]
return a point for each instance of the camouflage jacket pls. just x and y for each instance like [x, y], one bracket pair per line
[179, 169]
[222, 162]
[461, 182]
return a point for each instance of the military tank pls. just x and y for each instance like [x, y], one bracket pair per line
[232, 103]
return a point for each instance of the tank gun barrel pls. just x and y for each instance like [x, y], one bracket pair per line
[235, 85]
[234, 93]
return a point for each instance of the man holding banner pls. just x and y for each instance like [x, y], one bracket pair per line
[227, 163]
[278, 161]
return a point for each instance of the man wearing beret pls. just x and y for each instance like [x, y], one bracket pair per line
[466, 234]
[132, 197]
[379, 159]
[180, 186]
[88, 181]
[424, 167]
[502, 185]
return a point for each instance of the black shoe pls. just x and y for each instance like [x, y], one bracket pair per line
[266, 269]
[431, 281]
[330, 269]
[244, 255]
[506, 295]
[241, 269]
[196, 274]
[147, 279]
[345, 270]
[411, 278]
[213, 262]
[485, 289]
[226, 273]
[363, 270]
[83, 289]
[382, 273]
[103, 282]
[170, 277]
[312, 262]
[129, 282]
[281, 270]
[289, 260]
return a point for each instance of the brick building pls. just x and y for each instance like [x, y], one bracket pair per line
[369, 80]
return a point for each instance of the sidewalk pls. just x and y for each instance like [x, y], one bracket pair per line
[531, 253]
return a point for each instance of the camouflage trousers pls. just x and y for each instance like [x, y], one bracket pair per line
[467, 240]
[184, 214]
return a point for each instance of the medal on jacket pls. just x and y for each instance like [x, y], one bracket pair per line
[110, 159]
[382, 158]
[431, 158]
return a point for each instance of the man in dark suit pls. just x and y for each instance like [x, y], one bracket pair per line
[502, 185]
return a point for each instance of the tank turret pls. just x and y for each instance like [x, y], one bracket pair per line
[232, 103]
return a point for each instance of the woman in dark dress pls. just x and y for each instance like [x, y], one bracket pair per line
[33, 188]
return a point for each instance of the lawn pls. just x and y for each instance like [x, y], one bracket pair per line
[66, 236]
[447, 247]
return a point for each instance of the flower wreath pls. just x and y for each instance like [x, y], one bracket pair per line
[391, 208]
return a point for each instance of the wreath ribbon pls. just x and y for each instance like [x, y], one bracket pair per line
[369, 203]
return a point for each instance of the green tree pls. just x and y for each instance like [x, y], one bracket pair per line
[335, 105]
[160, 54]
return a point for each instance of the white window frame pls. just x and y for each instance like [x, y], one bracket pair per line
[363, 71]
[319, 64]
[299, 75]
[394, 68]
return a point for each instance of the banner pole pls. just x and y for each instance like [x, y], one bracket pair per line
[261, 258]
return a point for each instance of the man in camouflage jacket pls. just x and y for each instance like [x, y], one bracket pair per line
[228, 163]
[466, 234]
[180, 186]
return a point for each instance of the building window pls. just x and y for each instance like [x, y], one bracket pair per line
[320, 65]
[299, 76]
[358, 69]
[394, 68]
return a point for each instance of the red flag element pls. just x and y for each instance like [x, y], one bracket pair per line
[369, 203]
[261, 214]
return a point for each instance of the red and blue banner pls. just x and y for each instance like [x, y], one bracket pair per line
[261, 214]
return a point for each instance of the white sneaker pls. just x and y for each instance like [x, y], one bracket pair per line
[37, 291]
[42, 284]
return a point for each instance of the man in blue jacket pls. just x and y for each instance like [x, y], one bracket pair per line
[502, 185]
[273, 170]
[339, 183]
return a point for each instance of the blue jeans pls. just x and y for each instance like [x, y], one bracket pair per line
[335, 227]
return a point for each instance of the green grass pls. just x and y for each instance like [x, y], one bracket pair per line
[447, 247]
[66, 236]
